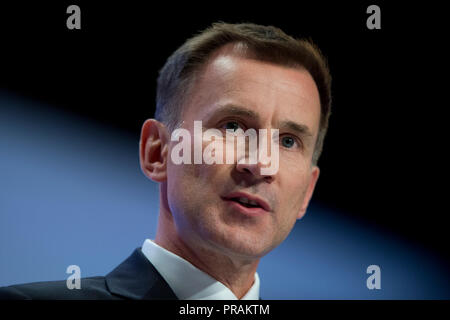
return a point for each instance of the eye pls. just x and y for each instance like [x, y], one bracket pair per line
[288, 141]
[231, 125]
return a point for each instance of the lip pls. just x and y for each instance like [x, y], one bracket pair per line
[252, 212]
[265, 207]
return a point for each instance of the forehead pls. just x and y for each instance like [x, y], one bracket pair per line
[275, 92]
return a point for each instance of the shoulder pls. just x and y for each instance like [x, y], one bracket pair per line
[91, 288]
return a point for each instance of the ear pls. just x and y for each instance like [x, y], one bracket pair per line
[153, 150]
[315, 171]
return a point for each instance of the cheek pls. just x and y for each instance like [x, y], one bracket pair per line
[291, 201]
[293, 191]
[182, 187]
[191, 185]
[175, 182]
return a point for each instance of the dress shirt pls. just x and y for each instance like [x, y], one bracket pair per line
[187, 281]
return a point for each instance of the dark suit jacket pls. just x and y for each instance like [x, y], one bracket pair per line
[134, 278]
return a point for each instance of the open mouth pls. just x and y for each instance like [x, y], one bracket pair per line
[246, 202]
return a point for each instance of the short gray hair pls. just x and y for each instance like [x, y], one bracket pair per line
[265, 43]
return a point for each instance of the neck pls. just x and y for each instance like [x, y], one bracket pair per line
[235, 272]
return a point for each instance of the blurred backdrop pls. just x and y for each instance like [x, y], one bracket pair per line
[72, 104]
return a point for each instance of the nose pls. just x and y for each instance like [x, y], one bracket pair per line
[254, 169]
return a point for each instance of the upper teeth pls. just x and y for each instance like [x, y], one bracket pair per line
[245, 200]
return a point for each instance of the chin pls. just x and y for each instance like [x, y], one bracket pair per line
[242, 244]
[234, 236]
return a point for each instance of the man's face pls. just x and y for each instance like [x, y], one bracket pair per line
[198, 194]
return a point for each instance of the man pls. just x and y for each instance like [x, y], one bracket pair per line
[216, 219]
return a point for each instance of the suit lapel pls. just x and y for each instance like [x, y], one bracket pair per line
[137, 278]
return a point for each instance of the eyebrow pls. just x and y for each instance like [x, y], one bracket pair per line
[232, 109]
[236, 110]
[300, 129]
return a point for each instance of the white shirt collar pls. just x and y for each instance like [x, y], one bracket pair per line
[189, 282]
